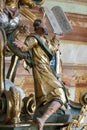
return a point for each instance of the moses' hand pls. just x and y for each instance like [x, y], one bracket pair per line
[18, 43]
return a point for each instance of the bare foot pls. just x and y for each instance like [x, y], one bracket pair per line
[39, 123]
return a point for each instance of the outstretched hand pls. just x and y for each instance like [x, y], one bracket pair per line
[18, 43]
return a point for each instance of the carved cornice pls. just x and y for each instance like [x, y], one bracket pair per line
[75, 66]
[82, 1]
[77, 17]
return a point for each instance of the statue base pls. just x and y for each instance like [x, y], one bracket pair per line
[16, 127]
[31, 127]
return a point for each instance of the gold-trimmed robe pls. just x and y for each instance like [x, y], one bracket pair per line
[47, 86]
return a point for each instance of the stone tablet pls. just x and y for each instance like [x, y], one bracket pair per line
[53, 21]
[62, 19]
